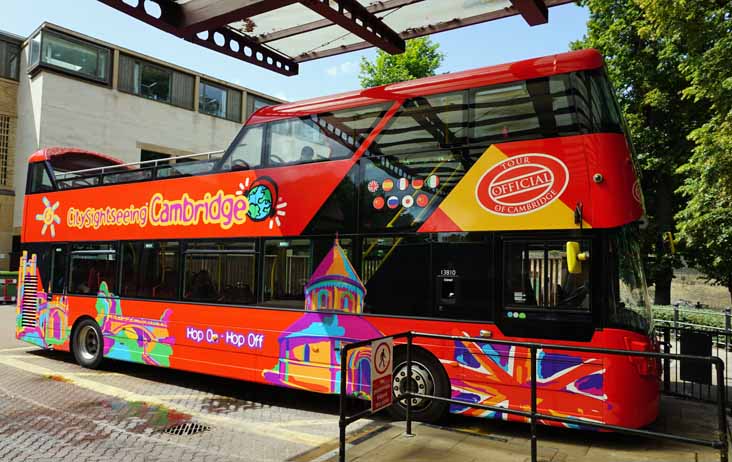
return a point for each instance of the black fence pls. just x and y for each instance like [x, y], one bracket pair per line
[688, 378]
[721, 443]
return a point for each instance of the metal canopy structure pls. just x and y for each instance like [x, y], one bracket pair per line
[279, 34]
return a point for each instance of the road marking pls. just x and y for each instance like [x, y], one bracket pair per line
[180, 396]
[93, 374]
[297, 423]
[257, 428]
[329, 450]
[26, 348]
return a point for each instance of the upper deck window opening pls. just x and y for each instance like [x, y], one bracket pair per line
[318, 137]
[70, 55]
[560, 105]
[39, 179]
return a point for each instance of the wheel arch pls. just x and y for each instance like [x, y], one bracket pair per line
[402, 349]
[76, 325]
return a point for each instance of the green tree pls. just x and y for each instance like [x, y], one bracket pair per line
[699, 33]
[648, 87]
[420, 59]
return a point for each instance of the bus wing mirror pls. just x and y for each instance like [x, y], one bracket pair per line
[575, 257]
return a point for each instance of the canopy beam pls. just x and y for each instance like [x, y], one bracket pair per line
[221, 39]
[356, 19]
[534, 12]
[315, 25]
[200, 15]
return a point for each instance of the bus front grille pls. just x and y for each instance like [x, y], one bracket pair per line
[29, 309]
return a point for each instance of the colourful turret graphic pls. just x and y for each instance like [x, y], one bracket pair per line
[39, 320]
[309, 356]
[335, 285]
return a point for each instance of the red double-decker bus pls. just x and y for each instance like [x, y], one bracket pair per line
[500, 202]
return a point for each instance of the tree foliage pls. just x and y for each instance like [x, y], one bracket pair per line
[698, 33]
[420, 59]
[648, 86]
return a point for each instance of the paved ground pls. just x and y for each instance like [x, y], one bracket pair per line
[51, 409]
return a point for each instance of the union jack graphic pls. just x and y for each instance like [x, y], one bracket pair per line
[500, 376]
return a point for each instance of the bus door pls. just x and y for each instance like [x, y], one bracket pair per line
[544, 297]
[540, 297]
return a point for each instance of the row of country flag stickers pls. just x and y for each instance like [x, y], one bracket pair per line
[402, 184]
[392, 202]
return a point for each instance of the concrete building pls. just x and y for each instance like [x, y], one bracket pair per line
[62, 88]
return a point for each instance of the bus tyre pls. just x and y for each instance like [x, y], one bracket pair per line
[428, 377]
[88, 344]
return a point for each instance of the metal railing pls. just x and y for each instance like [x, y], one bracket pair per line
[721, 443]
[674, 339]
[201, 162]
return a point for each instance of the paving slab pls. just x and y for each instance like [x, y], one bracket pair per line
[475, 439]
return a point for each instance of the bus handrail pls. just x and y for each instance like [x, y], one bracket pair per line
[114, 168]
[721, 443]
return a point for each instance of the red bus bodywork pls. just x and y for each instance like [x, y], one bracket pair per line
[299, 349]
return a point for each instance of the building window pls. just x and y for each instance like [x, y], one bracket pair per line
[71, 56]
[9, 56]
[259, 103]
[35, 51]
[155, 82]
[147, 156]
[4, 150]
[219, 101]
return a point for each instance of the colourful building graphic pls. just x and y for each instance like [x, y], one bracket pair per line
[309, 350]
[335, 285]
[139, 340]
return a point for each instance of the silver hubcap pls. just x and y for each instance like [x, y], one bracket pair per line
[420, 382]
[88, 344]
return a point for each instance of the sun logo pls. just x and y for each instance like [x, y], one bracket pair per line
[264, 202]
[49, 217]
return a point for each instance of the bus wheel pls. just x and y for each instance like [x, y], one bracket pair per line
[428, 377]
[88, 344]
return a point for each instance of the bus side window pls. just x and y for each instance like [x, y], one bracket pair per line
[150, 269]
[396, 273]
[220, 272]
[92, 265]
[57, 284]
[288, 265]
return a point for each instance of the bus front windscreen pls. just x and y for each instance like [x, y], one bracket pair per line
[630, 307]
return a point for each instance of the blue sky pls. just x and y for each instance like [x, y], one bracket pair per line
[482, 45]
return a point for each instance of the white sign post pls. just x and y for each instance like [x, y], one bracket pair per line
[382, 365]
